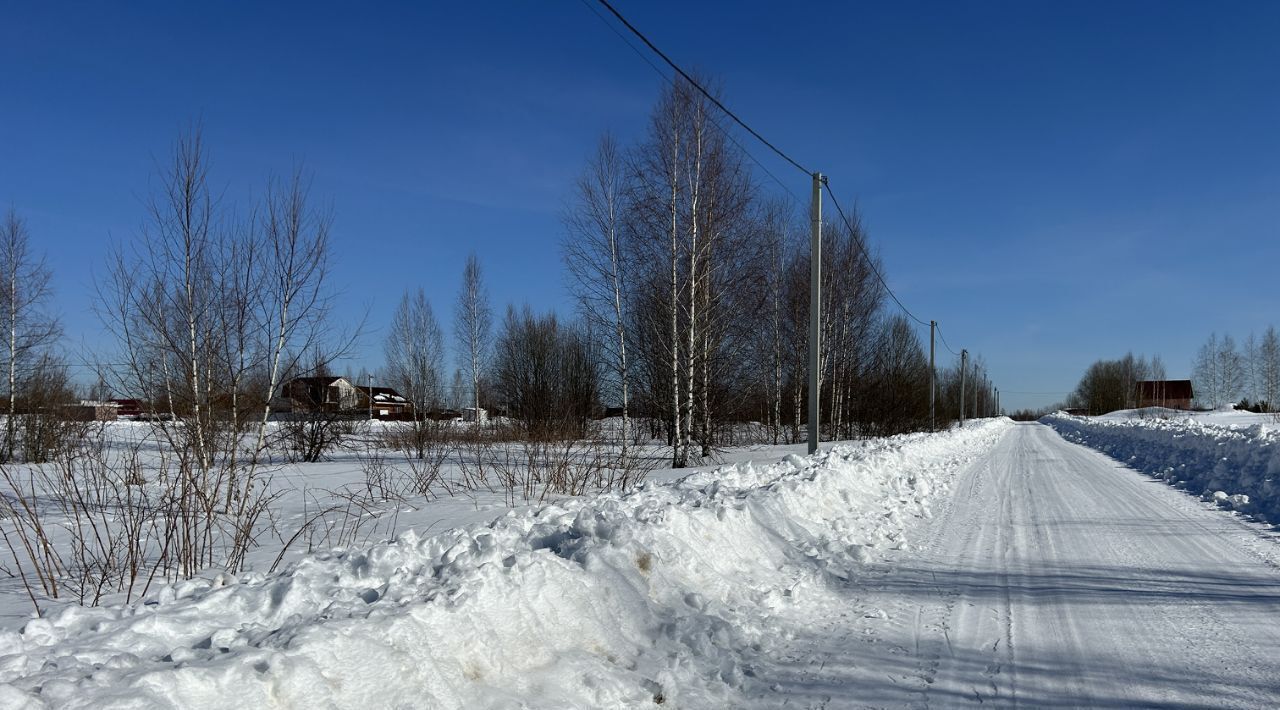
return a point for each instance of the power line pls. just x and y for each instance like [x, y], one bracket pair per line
[870, 262]
[703, 91]
[685, 75]
[723, 131]
[943, 338]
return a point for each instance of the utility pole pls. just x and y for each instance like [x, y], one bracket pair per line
[933, 381]
[369, 379]
[964, 360]
[997, 401]
[815, 306]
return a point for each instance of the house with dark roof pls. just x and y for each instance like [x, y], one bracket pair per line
[338, 394]
[1171, 394]
[321, 394]
[386, 402]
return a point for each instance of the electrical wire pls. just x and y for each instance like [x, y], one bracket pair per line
[723, 131]
[703, 91]
[870, 262]
[943, 338]
[683, 74]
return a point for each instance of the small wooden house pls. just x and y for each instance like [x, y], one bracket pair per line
[91, 411]
[322, 394]
[384, 402]
[1171, 394]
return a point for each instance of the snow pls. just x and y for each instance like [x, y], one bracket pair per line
[996, 565]
[1232, 458]
[1053, 576]
[680, 593]
[1226, 416]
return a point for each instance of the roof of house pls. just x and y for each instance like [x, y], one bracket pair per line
[383, 394]
[324, 381]
[1166, 389]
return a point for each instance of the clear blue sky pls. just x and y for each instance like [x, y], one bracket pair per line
[1053, 182]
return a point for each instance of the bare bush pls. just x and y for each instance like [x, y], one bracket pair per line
[546, 374]
[337, 519]
[310, 436]
[93, 522]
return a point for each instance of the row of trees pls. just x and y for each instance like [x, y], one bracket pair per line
[1227, 374]
[1222, 374]
[692, 290]
[691, 285]
[1110, 385]
[695, 288]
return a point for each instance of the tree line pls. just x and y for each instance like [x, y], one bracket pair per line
[1248, 375]
[691, 290]
[694, 285]
[1222, 373]
[1111, 385]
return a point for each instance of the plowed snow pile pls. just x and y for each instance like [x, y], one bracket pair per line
[1235, 466]
[671, 594]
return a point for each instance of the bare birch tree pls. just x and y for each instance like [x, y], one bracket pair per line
[593, 253]
[414, 351]
[211, 315]
[1269, 369]
[28, 328]
[472, 325]
[1251, 373]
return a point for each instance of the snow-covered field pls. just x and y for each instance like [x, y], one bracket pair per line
[1230, 457]
[677, 594]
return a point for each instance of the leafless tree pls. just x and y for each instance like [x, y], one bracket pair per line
[472, 325]
[211, 312]
[1269, 369]
[1218, 371]
[414, 351]
[314, 430]
[684, 268]
[1251, 372]
[29, 330]
[655, 223]
[894, 388]
[593, 253]
[546, 376]
[693, 239]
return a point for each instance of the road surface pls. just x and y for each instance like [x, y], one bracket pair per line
[1054, 577]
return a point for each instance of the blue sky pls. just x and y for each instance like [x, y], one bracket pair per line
[1053, 182]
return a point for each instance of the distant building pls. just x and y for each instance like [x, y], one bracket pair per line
[475, 415]
[387, 402]
[92, 411]
[321, 394]
[1171, 394]
[128, 408]
[443, 414]
[337, 394]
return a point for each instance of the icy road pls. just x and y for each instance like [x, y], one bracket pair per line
[1055, 577]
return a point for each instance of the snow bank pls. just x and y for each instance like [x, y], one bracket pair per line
[1223, 416]
[661, 596]
[1235, 466]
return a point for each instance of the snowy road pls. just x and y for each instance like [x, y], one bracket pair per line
[994, 566]
[1055, 578]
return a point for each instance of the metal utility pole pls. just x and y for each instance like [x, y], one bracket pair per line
[933, 381]
[964, 360]
[815, 306]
